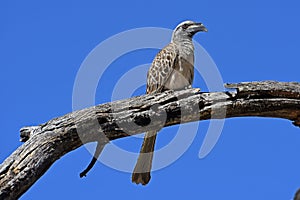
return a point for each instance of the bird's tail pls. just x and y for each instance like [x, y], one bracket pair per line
[141, 172]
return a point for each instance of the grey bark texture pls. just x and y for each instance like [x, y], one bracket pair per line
[46, 143]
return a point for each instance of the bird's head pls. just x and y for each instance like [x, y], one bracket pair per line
[187, 29]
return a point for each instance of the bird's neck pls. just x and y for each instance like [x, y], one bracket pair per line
[185, 45]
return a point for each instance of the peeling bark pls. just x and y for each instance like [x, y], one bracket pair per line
[48, 142]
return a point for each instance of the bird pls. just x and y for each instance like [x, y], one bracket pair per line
[171, 69]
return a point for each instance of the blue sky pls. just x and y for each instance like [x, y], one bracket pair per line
[44, 43]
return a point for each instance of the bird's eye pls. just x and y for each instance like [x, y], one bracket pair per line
[185, 26]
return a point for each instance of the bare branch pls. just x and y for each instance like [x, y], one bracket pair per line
[48, 142]
[297, 195]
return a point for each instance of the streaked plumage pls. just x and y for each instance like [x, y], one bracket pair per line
[171, 69]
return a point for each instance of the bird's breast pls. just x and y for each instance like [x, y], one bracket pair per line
[183, 74]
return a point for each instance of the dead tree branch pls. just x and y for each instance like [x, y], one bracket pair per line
[48, 142]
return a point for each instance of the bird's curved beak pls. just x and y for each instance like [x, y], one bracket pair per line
[197, 27]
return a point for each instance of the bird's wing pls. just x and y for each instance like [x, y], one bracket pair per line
[162, 68]
[160, 71]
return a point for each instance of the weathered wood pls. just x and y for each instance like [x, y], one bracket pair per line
[297, 195]
[48, 142]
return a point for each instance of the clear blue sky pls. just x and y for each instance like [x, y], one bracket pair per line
[44, 43]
